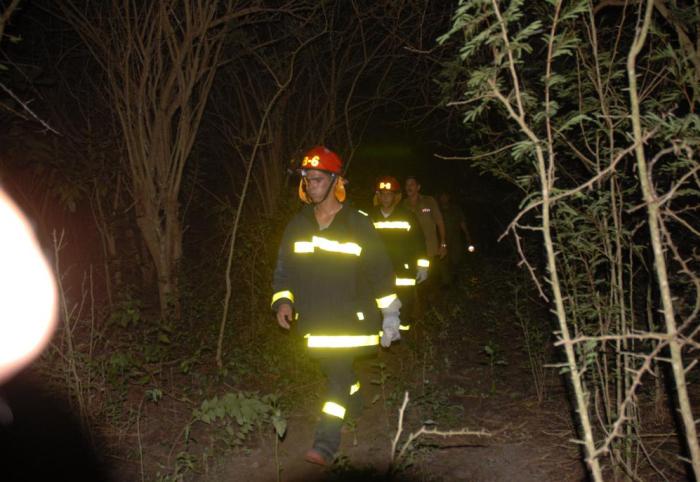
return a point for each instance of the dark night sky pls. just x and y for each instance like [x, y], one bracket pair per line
[389, 146]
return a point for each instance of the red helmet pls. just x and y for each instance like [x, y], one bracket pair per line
[388, 183]
[323, 159]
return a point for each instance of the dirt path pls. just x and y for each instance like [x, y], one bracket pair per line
[464, 366]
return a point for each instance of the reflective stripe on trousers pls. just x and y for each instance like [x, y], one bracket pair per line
[334, 409]
[340, 341]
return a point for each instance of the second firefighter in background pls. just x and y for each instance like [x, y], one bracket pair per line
[403, 238]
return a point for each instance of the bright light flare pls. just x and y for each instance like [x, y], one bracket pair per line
[27, 292]
[471, 248]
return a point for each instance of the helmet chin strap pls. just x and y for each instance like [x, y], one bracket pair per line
[334, 179]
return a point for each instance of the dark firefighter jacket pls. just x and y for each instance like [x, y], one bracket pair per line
[404, 240]
[334, 278]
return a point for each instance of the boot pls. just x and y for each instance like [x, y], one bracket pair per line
[317, 456]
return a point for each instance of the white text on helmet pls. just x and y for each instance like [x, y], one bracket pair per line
[311, 161]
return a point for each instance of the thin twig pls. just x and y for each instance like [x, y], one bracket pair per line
[25, 106]
[423, 431]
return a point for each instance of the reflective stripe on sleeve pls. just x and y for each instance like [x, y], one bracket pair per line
[423, 263]
[355, 388]
[282, 294]
[332, 408]
[341, 341]
[405, 282]
[385, 301]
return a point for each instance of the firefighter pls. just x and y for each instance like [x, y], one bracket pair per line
[332, 280]
[403, 237]
[429, 216]
[427, 212]
[456, 235]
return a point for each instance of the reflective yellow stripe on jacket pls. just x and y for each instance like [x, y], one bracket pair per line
[324, 244]
[346, 341]
[393, 225]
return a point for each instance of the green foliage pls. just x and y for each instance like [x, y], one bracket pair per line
[127, 311]
[552, 75]
[238, 414]
[494, 354]
[192, 361]
[154, 394]
[185, 463]
[383, 374]
[436, 407]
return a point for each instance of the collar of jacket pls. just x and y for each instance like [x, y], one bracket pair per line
[398, 212]
[308, 212]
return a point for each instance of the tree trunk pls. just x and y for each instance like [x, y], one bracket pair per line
[162, 234]
[675, 344]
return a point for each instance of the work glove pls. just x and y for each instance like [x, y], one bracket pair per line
[421, 274]
[390, 330]
[391, 323]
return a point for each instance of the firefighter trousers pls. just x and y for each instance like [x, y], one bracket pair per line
[407, 295]
[342, 399]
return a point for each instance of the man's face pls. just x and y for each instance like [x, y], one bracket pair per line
[386, 199]
[412, 187]
[317, 184]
